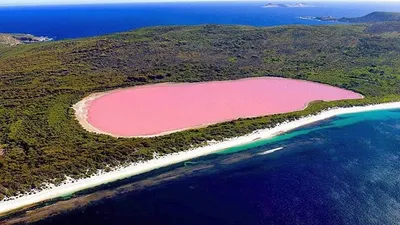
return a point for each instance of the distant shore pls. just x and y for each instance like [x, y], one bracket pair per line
[71, 186]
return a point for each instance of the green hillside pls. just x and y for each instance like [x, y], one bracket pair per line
[374, 17]
[40, 141]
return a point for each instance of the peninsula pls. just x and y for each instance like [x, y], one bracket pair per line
[374, 17]
[16, 39]
[281, 5]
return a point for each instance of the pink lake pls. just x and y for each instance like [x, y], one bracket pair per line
[165, 108]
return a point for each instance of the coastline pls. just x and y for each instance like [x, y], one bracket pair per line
[71, 186]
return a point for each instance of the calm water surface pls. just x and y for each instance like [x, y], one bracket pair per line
[62, 22]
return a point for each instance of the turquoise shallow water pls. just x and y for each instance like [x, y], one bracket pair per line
[340, 171]
[337, 122]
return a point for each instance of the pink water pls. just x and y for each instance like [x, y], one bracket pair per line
[157, 109]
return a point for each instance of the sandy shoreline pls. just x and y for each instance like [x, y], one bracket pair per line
[71, 186]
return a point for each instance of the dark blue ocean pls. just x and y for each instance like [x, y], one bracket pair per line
[61, 22]
[341, 171]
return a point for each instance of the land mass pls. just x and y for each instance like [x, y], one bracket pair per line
[16, 39]
[43, 143]
[374, 17]
[281, 5]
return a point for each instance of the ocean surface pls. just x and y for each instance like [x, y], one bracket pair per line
[61, 22]
[340, 171]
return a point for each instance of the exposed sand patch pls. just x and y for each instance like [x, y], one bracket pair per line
[2, 149]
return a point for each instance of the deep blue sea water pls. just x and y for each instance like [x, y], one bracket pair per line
[61, 22]
[341, 171]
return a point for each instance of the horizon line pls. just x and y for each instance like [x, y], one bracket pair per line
[195, 1]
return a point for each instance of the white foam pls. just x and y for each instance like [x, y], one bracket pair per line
[270, 151]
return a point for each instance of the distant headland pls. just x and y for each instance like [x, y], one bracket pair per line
[281, 5]
[374, 17]
[16, 39]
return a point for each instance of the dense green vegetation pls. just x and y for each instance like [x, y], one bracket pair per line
[374, 17]
[40, 141]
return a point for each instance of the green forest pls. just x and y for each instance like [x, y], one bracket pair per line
[40, 140]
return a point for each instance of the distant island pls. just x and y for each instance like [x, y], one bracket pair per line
[16, 39]
[320, 18]
[280, 5]
[374, 17]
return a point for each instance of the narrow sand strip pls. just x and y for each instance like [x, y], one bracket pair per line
[71, 186]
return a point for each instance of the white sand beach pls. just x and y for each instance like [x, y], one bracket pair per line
[70, 186]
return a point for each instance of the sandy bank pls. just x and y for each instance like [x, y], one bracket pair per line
[71, 186]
